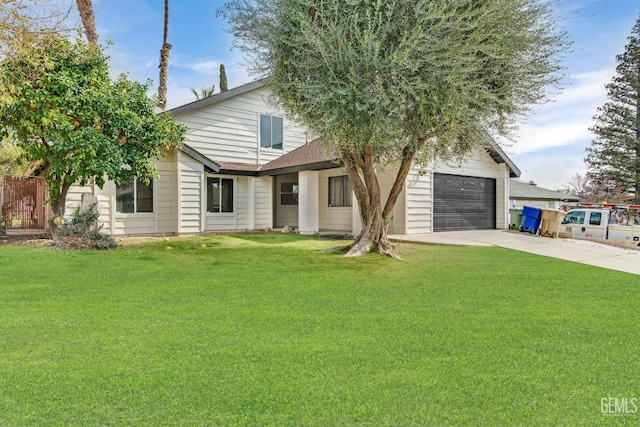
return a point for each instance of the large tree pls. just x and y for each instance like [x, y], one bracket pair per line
[394, 82]
[59, 103]
[613, 159]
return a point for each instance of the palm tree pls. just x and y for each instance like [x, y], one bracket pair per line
[85, 10]
[205, 92]
[164, 60]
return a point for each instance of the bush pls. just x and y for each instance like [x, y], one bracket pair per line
[81, 231]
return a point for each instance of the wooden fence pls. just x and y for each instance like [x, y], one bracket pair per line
[23, 203]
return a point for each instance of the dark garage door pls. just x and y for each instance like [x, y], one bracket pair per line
[463, 203]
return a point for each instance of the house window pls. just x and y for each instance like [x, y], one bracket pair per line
[339, 191]
[271, 132]
[289, 193]
[134, 197]
[219, 194]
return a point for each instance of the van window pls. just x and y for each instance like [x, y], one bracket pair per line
[574, 217]
[595, 218]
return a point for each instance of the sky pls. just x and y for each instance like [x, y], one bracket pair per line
[548, 148]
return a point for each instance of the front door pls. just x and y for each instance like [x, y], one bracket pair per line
[286, 200]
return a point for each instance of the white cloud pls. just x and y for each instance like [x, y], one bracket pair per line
[567, 120]
[208, 67]
[552, 168]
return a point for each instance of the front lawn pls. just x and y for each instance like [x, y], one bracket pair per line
[268, 329]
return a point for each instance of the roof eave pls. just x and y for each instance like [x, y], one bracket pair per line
[209, 165]
[326, 164]
[500, 156]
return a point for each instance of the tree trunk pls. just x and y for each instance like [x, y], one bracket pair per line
[375, 219]
[58, 207]
[164, 60]
[85, 10]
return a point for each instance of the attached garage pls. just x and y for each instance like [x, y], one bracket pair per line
[463, 203]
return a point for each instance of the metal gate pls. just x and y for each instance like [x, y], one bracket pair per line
[23, 206]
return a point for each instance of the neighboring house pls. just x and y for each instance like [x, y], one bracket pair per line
[528, 193]
[244, 166]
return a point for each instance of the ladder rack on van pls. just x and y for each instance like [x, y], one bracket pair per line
[607, 206]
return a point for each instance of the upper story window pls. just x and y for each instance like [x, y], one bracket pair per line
[271, 132]
[134, 197]
[219, 194]
[339, 191]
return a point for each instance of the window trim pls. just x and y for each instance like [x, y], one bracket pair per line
[294, 193]
[135, 198]
[271, 117]
[233, 195]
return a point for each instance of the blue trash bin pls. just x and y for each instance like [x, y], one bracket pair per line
[530, 219]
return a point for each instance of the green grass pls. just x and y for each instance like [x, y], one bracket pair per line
[270, 329]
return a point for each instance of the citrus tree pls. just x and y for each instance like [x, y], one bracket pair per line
[59, 103]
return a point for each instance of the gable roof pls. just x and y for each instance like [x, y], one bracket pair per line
[529, 191]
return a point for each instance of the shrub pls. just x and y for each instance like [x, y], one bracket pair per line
[81, 231]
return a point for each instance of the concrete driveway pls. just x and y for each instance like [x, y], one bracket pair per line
[582, 251]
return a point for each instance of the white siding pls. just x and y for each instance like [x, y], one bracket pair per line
[74, 198]
[228, 131]
[190, 194]
[163, 218]
[418, 202]
[263, 202]
[165, 195]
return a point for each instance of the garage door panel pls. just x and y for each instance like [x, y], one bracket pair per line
[463, 203]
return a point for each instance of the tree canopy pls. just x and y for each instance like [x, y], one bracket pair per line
[613, 159]
[60, 105]
[397, 81]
